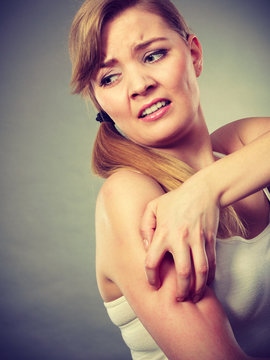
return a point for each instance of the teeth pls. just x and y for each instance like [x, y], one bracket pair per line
[154, 108]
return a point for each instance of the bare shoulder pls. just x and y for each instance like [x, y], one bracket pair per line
[124, 192]
[233, 136]
[128, 181]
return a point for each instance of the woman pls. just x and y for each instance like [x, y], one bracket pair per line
[147, 83]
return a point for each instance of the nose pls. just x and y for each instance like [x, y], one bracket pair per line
[140, 85]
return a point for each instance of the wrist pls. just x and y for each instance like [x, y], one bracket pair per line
[207, 177]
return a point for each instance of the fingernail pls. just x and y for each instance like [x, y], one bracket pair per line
[180, 299]
[146, 243]
[154, 283]
[150, 277]
[196, 298]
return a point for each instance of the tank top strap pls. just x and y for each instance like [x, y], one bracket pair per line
[267, 193]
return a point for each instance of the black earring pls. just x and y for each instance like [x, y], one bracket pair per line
[102, 116]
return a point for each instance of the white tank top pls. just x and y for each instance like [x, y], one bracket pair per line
[242, 285]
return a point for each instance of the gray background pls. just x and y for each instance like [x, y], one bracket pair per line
[49, 302]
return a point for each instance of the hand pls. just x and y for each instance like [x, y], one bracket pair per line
[183, 222]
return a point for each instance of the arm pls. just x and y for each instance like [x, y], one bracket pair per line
[187, 217]
[188, 331]
[247, 167]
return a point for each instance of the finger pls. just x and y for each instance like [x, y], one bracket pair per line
[183, 268]
[210, 247]
[153, 259]
[200, 262]
[148, 224]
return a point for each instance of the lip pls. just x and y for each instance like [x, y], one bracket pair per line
[150, 104]
[157, 114]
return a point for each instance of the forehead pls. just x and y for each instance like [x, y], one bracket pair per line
[131, 27]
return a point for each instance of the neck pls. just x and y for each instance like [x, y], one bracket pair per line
[195, 147]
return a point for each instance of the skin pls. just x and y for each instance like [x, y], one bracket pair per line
[140, 75]
[133, 83]
[119, 268]
[246, 143]
[154, 62]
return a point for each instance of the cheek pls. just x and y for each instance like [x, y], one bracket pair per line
[101, 99]
[104, 101]
[184, 78]
[177, 76]
[110, 101]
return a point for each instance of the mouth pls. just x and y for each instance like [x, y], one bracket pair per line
[150, 109]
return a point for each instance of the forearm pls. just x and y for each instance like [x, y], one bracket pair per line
[241, 173]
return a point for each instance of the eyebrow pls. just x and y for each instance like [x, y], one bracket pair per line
[138, 47]
[146, 43]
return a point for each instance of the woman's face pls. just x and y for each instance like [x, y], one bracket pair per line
[147, 81]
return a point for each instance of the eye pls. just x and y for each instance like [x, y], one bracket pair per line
[155, 56]
[108, 80]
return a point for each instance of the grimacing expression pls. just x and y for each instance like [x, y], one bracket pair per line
[147, 81]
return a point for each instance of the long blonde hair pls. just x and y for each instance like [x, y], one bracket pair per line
[113, 151]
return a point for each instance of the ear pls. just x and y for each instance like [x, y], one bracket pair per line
[196, 53]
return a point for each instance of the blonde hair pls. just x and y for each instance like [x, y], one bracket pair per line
[113, 151]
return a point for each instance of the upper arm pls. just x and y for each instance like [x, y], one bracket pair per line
[176, 327]
[233, 136]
